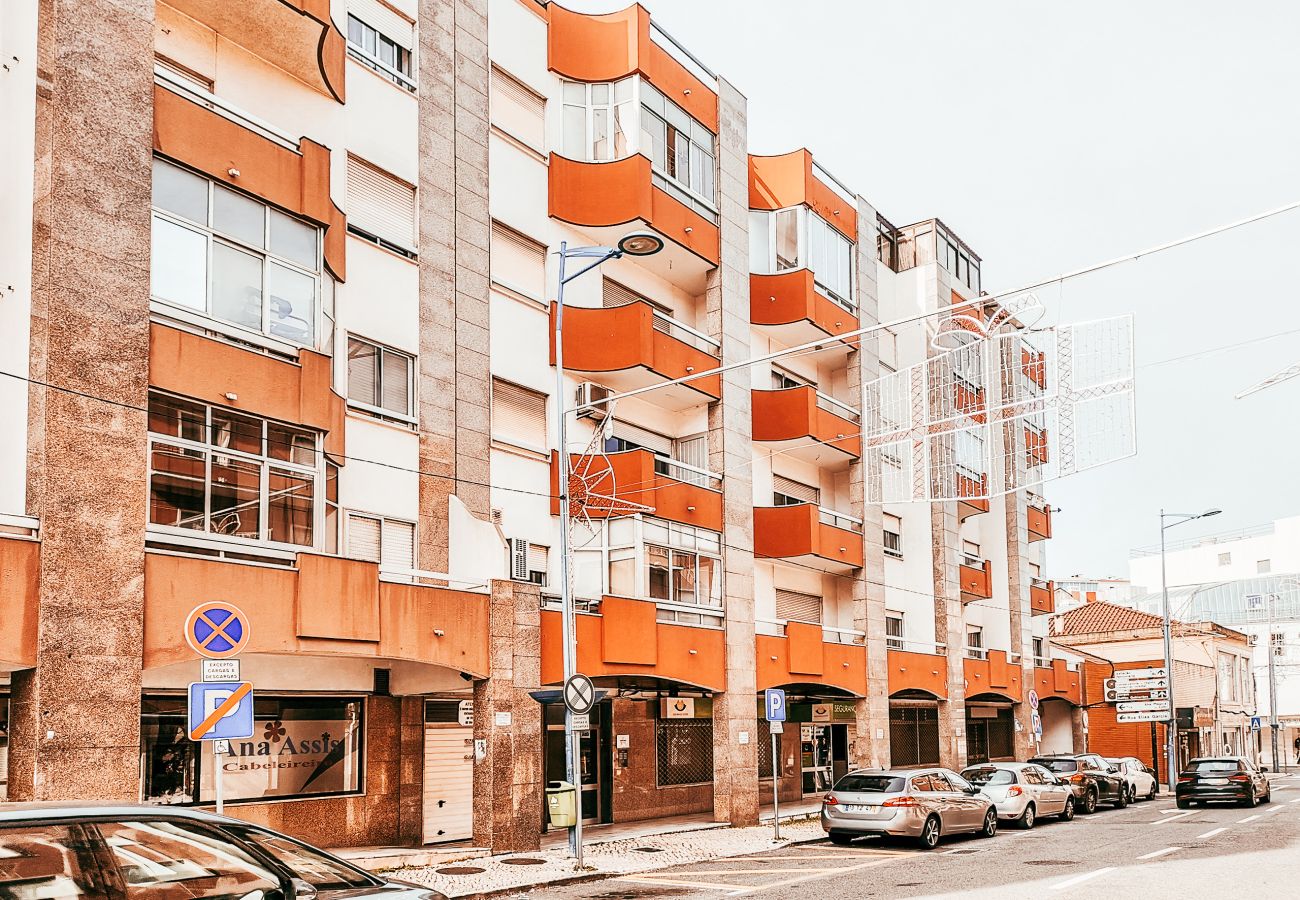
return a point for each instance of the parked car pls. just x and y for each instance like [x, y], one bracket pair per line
[1140, 778]
[1022, 792]
[923, 804]
[1090, 776]
[1214, 778]
[58, 851]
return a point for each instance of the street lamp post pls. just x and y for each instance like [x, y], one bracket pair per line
[636, 243]
[1171, 751]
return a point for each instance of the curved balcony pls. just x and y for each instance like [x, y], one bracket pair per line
[802, 656]
[609, 199]
[791, 179]
[673, 490]
[297, 36]
[20, 563]
[992, 673]
[795, 312]
[626, 640]
[809, 535]
[1042, 597]
[634, 346]
[976, 580]
[918, 669]
[1060, 681]
[806, 424]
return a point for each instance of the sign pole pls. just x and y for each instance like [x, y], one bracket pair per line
[776, 793]
[217, 777]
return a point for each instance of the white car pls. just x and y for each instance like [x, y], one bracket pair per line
[1141, 780]
[1022, 792]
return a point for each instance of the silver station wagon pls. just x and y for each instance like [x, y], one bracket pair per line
[923, 804]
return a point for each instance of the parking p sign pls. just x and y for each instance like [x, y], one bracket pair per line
[774, 704]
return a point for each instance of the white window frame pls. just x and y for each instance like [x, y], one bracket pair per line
[348, 515]
[895, 641]
[412, 404]
[372, 61]
[541, 448]
[804, 225]
[897, 551]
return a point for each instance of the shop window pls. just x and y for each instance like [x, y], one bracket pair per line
[684, 751]
[517, 109]
[54, 861]
[380, 379]
[765, 748]
[913, 736]
[183, 859]
[302, 747]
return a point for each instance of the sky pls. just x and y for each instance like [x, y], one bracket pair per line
[1051, 136]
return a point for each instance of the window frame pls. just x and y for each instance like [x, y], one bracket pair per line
[895, 641]
[804, 225]
[347, 515]
[405, 80]
[412, 402]
[896, 551]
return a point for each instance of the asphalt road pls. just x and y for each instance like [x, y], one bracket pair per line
[1150, 850]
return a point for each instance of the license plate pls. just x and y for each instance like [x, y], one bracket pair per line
[1216, 781]
[859, 808]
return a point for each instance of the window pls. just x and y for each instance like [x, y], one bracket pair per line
[221, 472]
[380, 379]
[969, 455]
[226, 256]
[161, 858]
[798, 238]
[783, 380]
[303, 746]
[684, 751]
[1278, 642]
[517, 109]
[517, 263]
[389, 542]
[795, 606]
[970, 552]
[518, 416]
[894, 631]
[1035, 571]
[382, 42]
[381, 207]
[526, 561]
[975, 642]
[1040, 657]
[893, 536]
[47, 861]
[1225, 559]
[788, 492]
[1227, 686]
[679, 576]
[315, 868]
[599, 120]
[886, 242]
[1263, 566]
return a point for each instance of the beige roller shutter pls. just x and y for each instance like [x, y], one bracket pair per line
[364, 537]
[614, 294]
[517, 109]
[518, 262]
[796, 489]
[398, 551]
[380, 205]
[643, 438]
[448, 783]
[794, 606]
[386, 20]
[518, 415]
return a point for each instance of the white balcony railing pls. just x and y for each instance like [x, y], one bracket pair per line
[666, 324]
[837, 407]
[976, 653]
[687, 473]
[839, 519]
[931, 647]
[192, 92]
[395, 575]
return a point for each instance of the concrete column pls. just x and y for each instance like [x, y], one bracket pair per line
[735, 765]
[76, 717]
[410, 771]
[950, 628]
[508, 779]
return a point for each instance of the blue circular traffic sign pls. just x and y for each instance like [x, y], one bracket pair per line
[217, 630]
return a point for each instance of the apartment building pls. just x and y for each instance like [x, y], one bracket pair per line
[284, 292]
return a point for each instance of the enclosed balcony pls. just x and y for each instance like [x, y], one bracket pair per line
[1040, 519]
[809, 535]
[992, 672]
[1034, 365]
[975, 578]
[673, 490]
[972, 494]
[1036, 453]
[794, 311]
[917, 668]
[806, 653]
[1042, 596]
[634, 346]
[806, 424]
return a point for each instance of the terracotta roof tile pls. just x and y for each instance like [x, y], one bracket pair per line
[1100, 616]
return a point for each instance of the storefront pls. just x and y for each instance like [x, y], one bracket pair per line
[813, 747]
[913, 732]
[990, 731]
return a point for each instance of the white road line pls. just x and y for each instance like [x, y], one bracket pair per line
[1080, 879]
[1247, 819]
[1156, 853]
[1211, 833]
[1172, 818]
[1296, 800]
[1273, 809]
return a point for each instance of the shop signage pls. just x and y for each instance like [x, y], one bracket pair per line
[288, 757]
[679, 708]
[465, 713]
[1203, 717]
[827, 711]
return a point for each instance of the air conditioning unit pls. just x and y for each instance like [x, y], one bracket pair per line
[1252, 640]
[518, 548]
[590, 392]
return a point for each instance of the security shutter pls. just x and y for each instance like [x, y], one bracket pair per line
[396, 382]
[797, 489]
[363, 537]
[517, 109]
[795, 606]
[398, 551]
[643, 438]
[518, 414]
[448, 783]
[537, 557]
[380, 205]
[386, 20]
[517, 262]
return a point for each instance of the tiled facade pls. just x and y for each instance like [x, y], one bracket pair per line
[293, 280]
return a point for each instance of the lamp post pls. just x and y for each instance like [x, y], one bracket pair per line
[637, 243]
[1171, 751]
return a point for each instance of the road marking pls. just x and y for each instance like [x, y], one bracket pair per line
[1211, 833]
[1079, 879]
[1172, 818]
[1273, 809]
[1247, 819]
[1167, 810]
[1156, 853]
[812, 876]
[713, 885]
[1296, 800]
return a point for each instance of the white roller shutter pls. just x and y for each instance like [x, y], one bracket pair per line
[398, 551]
[448, 784]
[380, 205]
[794, 606]
[363, 537]
[386, 20]
[518, 415]
[796, 489]
[517, 262]
[517, 109]
[643, 438]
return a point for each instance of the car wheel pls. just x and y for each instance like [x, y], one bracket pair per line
[1027, 817]
[1151, 794]
[1268, 798]
[1251, 800]
[1090, 802]
[1183, 804]
[839, 837]
[1067, 814]
[930, 833]
[1122, 800]
[990, 824]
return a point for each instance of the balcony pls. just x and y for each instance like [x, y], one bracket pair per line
[297, 36]
[795, 312]
[976, 580]
[1042, 596]
[1060, 679]
[973, 496]
[809, 535]
[996, 672]
[1035, 446]
[806, 424]
[20, 563]
[674, 490]
[322, 606]
[609, 199]
[804, 656]
[625, 639]
[917, 668]
[1040, 519]
[635, 346]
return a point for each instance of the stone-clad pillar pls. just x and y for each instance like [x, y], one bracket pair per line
[950, 628]
[76, 717]
[735, 712]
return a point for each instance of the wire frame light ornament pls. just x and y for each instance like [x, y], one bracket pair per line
[1002, 403]
[593, 484]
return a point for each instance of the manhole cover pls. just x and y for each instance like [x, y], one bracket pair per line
[648, 849]
[460, 870]
[1049, 862]
[523, 861]
[909, 884]
[959, 852]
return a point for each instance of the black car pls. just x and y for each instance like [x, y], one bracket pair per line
[1092, 779]
[115, 852]
[1218, 778]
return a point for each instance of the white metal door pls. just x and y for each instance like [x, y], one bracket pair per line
[448, 783]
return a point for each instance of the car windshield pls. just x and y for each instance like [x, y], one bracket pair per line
[1214, 765]
[1058, 765]
[989, 775]
[311, 866]
[870, 784]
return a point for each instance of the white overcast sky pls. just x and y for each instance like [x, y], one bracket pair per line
[1051, 135]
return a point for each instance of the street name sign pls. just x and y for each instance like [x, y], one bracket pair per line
[1144, 706]
[1129, 674]
[1142, 717]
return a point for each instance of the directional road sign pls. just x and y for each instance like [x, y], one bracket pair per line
[1142, 717]
[774, 704]
[1143, 706]
[217, 630]
[579, 694]
[1128, 674]
[220, 710]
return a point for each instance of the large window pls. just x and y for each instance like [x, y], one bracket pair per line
[380, 379]
[599, 120]
[217, 471]
[303, 746]
[229, 257]
[798, 238]
[680, 149]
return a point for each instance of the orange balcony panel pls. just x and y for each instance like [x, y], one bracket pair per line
[797, 533]
[778, 182]
[1042, 597]
[976, 582]
[994, 675]
[796, 312]
[298, 181]
[925, 672]
[206, 369]
[624, 350]
[969, 401]
[973, 496]
[791, 418]
[681, 653]
[326, 606]
[20, 563]
[620, 196]
[1035, 446]
[842, 666]
[614, 45]
[632, 477]
[1040, 523]
[1059, 681]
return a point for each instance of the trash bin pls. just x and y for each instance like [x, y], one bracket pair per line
[561, 804]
